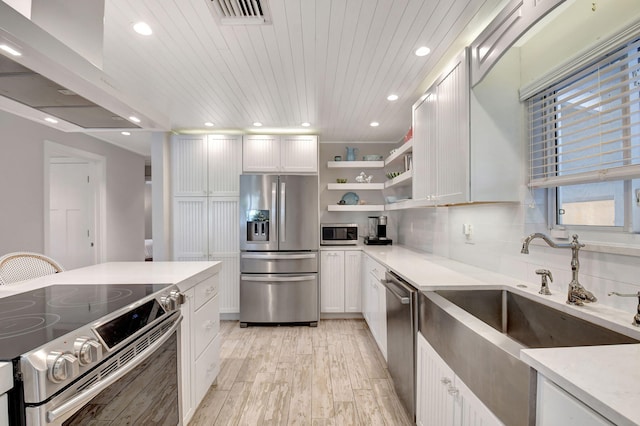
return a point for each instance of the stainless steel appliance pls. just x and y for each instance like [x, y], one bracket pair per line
[377, 234]
[338, 234]
[402, 324]
[279, 249]
[105, 353]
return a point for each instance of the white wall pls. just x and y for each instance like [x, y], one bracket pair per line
[22, 189]
[498, 229]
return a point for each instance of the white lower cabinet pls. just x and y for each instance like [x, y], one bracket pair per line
[340, 281]
[442, 399]
[200, 343]
[556, 407]
[374, 302]
[4, 410]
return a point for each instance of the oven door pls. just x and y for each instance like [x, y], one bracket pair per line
[140, 387]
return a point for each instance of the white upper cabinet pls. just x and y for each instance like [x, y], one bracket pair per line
[441, 139]
[452, 135]
[468, 143]
[299, 154]
[205, 165]
[189, 165]
[280, 154]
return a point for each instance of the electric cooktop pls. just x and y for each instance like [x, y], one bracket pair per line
[31, 319]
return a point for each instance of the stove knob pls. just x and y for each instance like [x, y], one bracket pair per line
[172, 301]
[62, 366]
[87, 350]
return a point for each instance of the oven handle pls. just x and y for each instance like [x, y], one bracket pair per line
[92, 391]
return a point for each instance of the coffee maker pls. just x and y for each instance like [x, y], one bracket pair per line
[377, 234]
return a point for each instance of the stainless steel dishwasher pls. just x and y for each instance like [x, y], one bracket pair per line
[402, 323]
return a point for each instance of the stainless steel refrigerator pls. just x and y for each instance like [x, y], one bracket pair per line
[279, 249]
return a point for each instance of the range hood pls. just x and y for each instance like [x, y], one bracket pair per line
[29, 88]
[50, 78]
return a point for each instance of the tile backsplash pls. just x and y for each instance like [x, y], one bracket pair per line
[495, 241]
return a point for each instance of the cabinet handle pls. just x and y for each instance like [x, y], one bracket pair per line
[445, 381]
[210, 290]
[453, 391]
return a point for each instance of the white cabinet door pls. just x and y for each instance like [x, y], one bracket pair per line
[189, 165]
[470, 411]
[352, 281]
[332, 281]
[299, 154]
[424, 142]
[190, 228]
[452, 135]
[442, 399]
[225, 165]
[434, 405]
[556, 407]
[261, 153]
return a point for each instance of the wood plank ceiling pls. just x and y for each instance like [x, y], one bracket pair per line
[328, 62]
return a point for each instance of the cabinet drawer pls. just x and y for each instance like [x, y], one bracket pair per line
[206, 325]
[206, 369]
[205, 291]
[374, 268]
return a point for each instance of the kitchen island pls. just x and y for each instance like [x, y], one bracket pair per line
[198, 281]
[602, 380]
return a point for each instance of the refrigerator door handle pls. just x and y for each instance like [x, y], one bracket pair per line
[279, 256]
[274, 208]
[283, 210]
[277, 279]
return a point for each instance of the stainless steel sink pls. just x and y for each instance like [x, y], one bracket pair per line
[530, 323]
[480, 333]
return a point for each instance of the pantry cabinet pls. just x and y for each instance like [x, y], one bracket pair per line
[200, 343]
[441, 397]
[205, 180]
[374, 301]
[340, 281]
[280, 154]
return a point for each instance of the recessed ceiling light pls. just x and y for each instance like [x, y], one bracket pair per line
[134, 119]
[51, 120]
[305, 124]
[257, 124]
[423, 51]
[392, 97]
[208, 124]
[142, 28]
[10, 50]
[125, 133]
[374, 124]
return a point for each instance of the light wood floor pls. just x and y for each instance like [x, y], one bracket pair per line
[330, 375]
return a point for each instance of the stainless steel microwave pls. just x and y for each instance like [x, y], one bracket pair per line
[332, 234]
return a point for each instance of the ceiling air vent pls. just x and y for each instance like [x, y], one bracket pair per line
[240, 12]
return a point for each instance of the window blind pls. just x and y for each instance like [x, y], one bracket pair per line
[586, 128]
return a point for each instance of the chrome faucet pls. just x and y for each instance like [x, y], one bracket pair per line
[577, 294]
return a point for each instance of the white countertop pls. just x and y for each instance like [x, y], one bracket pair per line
[606, 378]
[184, 274]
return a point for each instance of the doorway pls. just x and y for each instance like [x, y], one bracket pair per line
[74, 205]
